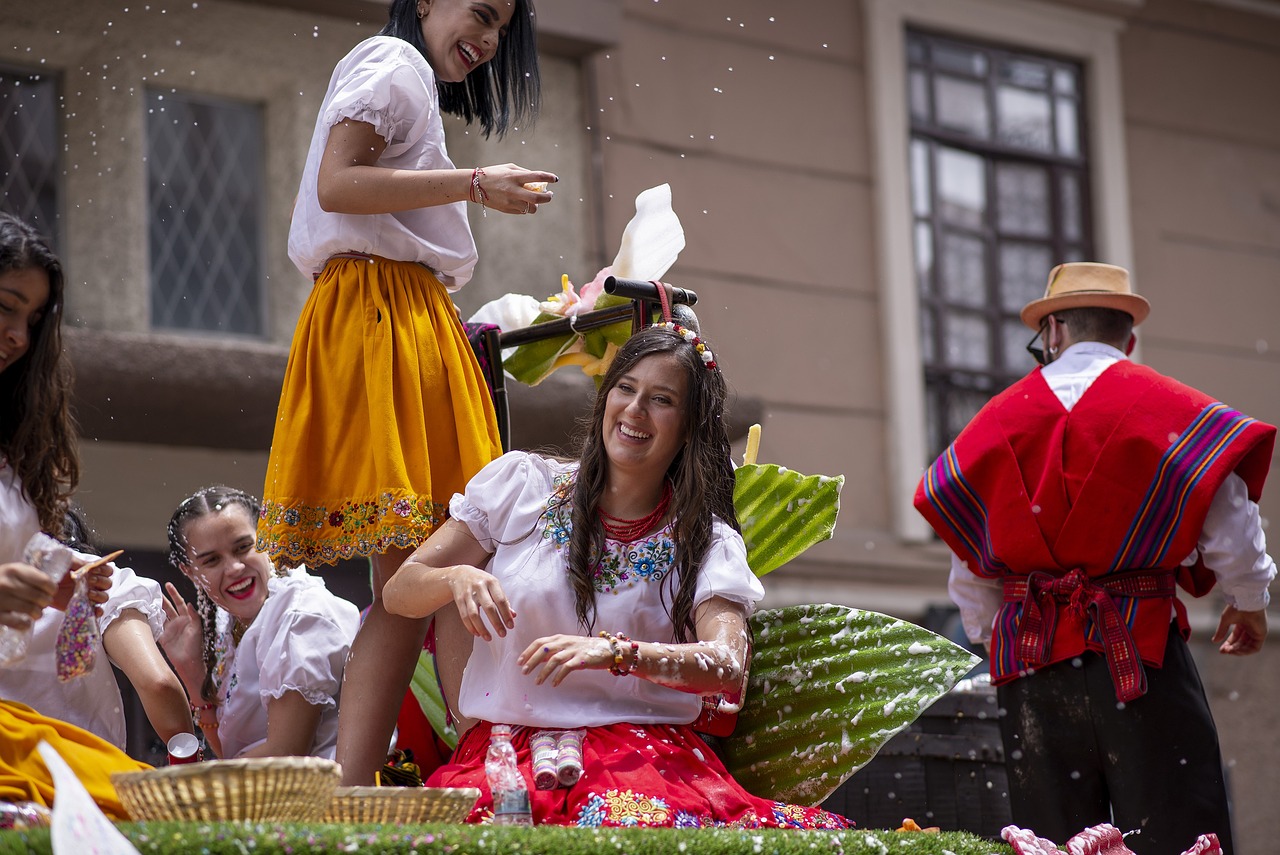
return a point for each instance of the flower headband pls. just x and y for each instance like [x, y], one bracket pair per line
[704, 352]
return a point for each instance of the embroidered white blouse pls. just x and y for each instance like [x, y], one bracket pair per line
[298, 642]
[93, 701]
[385, 82]
[507, 507]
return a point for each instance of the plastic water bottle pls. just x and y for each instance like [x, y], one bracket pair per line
[54, 559]
[510, 792]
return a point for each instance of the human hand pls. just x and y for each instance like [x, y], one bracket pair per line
[98, 572]
[182, 638]
[1240, 632]
[558, 656]
[504, 188]
[479, 596]
[24, 593]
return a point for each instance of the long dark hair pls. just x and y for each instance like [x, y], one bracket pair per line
[210, 500]
[504, 92]
[701, 475]
[37, 431]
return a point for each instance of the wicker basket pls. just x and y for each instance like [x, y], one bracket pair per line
[401, 805]
[266, 789]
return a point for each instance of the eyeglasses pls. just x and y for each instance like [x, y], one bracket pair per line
[1035, 347]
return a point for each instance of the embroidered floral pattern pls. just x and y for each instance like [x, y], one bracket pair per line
[316, 534]
[622, 563]
[624, 808]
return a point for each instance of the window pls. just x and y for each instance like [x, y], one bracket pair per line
[29, 149]
[1054, 31]
[999, 195]
[204, 192]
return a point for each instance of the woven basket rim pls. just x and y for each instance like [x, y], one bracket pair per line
[211, 768]
[406, 793]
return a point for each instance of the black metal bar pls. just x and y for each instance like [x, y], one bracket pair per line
[564, 326]
[639, 289]
[501, 406]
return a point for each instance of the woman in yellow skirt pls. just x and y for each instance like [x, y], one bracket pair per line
[384, 414]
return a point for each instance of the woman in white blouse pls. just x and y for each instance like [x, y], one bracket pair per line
[261, 653]
[610, 594]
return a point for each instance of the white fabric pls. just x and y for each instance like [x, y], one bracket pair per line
[1231, 541]
[385, 82]
[93, 701]
[503, 507]
[298, 642]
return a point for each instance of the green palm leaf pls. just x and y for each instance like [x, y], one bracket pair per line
[426, 690]
[829, 686]
[783, 513]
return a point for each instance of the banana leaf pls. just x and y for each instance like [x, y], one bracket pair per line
[830, 685]
[426, 689]
[783, 513]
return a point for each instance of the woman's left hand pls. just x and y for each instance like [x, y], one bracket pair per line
[558, 656]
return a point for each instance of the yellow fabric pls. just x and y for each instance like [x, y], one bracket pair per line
[384, 415]
[23, 775]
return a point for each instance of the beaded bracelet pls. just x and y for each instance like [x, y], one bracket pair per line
[196, 709]
[635, 656]
[477, 193]
[616, 649]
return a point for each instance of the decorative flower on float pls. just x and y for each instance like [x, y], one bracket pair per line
[650, 244]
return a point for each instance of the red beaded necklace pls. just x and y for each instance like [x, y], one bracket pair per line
[625, 531]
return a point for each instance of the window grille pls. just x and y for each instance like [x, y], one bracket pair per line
[205, 200]
[29, 149]
[1000, 194]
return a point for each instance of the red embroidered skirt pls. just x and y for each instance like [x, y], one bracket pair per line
[640, 775]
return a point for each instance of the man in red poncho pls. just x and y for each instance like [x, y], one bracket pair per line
[1075, 504]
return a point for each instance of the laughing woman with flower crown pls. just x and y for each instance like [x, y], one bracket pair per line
[610, 594]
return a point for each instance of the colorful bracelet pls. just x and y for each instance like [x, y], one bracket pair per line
[616, 649]
[635, 656]
[477, 193]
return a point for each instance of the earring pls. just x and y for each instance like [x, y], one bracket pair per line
[1053, 350]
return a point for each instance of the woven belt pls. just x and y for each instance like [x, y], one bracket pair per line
[1042, 594]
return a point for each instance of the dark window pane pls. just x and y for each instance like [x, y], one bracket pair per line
[924, 257]
[204, 182]
[962, 106]
[1023, 119]
[1068, 127]
[964, 270]
[1022, 200]
[948, 56]
[921, 182]
[967, 341]
[962, 188]
[918, 86]
[1025, 73]
[29, 149]
[1023, 268]
[1072, 211]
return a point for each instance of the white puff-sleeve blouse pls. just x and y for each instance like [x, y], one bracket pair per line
[92, 701]
[385, 82]
[508, 509]
[298, 642]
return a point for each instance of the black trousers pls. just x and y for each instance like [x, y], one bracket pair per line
[1077, 757]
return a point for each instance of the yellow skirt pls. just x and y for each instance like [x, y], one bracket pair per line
[23, 775]
[384, 415]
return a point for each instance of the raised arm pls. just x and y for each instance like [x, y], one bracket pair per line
[713, 664]
[446, 569]
[351, 182]
[130, 644]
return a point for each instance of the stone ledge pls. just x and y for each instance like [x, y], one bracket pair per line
[205, 392]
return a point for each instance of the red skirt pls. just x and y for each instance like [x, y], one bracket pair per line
[635, 775]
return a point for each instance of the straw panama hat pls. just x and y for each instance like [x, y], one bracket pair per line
[1081, 284]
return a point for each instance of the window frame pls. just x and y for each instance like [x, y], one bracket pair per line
[55, 229]
[1089, 38]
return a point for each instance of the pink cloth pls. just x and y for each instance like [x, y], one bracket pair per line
[1102, 839]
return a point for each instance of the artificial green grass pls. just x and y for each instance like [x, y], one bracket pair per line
[203, 838]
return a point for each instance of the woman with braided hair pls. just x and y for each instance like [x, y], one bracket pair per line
[261, 653]
[607, 595]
